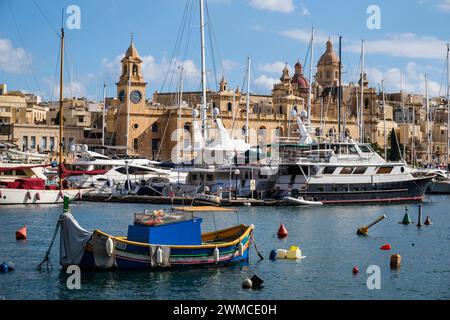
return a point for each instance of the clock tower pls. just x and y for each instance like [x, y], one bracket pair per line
[131, 94]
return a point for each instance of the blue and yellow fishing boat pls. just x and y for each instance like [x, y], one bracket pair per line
[169, 238]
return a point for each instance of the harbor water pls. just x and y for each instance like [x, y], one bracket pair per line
[326, 235]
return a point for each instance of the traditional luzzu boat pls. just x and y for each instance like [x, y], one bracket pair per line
[167, 238]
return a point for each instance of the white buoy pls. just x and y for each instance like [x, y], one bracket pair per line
[109, 247]
[216, 255]
[241, 249]
[247, 283]
[281, 254]
[159, 256]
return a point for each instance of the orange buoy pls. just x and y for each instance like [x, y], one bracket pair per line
[386, 247]
[282, 231]
[21, 234]
[428, 221]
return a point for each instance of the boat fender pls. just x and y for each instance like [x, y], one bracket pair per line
[28, 195]
[79, 195]
[216, 255]
[0, 194]
[241, 249]
[109, 247]
[38, 197]
[60, 194]
[159, 256]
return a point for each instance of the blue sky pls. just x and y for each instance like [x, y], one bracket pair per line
[411, 42]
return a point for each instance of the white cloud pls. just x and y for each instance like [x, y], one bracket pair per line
[407, 45]
[70, 89]
[412, 76]
[304, 11]
[304, 35]
[275, 67]
[13, 60]
[265, 83]
[444, 5]
[285, 6]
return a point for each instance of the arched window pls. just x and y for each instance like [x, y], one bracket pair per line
[155, 127]
[279, 132]
[261, 131]
[230, 107]
[135, 70]
[328, 74]
[136, 144]
[187, 126]
[243, 131]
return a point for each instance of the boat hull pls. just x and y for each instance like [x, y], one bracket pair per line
[25, 196]
[132, 255]
[398, 191]
[439, 187]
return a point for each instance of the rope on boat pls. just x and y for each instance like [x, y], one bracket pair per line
[252, 239]
[45, 263]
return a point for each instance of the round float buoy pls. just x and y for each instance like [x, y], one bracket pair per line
[37, 196]
[21, 234]
[386, 247]
[355, 270]
[395, 261]
[282, 231]
[79, 195]
[216, 255]
[11, 266]
[247, 283]
[28, 195]
[159, 256]
[273, 255]
[4, 268]
[428, 221]
[109, 247]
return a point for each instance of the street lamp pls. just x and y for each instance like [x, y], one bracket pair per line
[236, 174]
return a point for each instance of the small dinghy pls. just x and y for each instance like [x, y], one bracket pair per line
[300, 201]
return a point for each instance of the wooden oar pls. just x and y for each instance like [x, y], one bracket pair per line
[364, 230]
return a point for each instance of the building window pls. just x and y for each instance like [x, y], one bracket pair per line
[155, 127]
[63, 144]
[155, 143]
[80, 118]
[44, 143]
[135, 70]
[230, 107]
[25, 142]
[52, 143]
[328, 74]
[135, 144]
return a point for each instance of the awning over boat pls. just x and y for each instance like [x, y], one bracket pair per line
[67, 173]
[5, 169]
[204, 209]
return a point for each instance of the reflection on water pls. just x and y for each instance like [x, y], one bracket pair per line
[326, 235]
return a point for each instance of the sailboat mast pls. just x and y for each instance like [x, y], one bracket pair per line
[202, 39]
[428, 121]
[340, 88]
[180, 102]
[310, 77]
[384, 120]
[247, 131]
[448, 107]
[361, 105]
[61, 116]
[103, 116]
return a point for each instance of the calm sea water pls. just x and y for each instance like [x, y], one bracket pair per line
[326, 236]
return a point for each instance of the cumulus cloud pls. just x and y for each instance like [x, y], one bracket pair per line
[407, 45]
[275, 67]
[286, 6]
[304, 35]
[444, 5]
[412, 76]
[13, 60]
[265, 83]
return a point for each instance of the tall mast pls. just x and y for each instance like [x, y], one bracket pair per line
[448, 106]
[361, 105]
[340, 88]
[61, 117]
[180, 102]
[428, 121]
[103, 115]
[384, 120]
[310, 77]
[247, 131]
[203, 105]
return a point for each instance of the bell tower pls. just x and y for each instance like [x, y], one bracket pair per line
[131, 94]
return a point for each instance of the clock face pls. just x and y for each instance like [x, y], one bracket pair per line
[122, 96]
[135, 96]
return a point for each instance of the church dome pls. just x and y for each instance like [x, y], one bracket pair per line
[329, 57]
[132, 51]
[298, 77]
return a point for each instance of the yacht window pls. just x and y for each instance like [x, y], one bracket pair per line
[352, 149]
[385, 170]
[329, 170]
[360, 170]
[20, 173]
[344, 149]
[209, 177]
[121, 170]
[364, 148]
[194, 177]
[335, 148]
[294, 170]
[346, 170]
